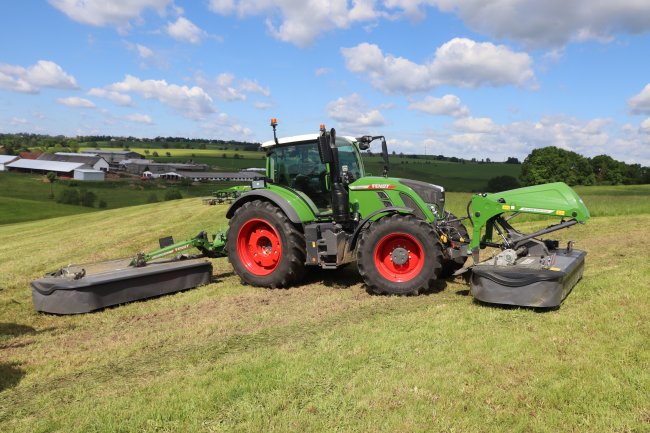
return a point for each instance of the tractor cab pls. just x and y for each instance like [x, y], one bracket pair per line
[295, 162]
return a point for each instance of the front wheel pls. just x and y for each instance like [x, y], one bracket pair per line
[264, 247]
[399, 255]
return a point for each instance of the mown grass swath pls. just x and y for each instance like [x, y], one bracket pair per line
[324, 355]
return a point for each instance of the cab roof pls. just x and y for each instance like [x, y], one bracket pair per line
[300, 139]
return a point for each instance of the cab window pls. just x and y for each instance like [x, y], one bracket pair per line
[299, 167]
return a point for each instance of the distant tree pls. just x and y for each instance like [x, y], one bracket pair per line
[154, 154]
[608, 170]
[172, 194]
[236, 156]
[552, 164]
[87, 198]
[102, 204]
[146, 151]
[168, 154]
[512, 160]
[69, 196]
[51, 178]
[502, 183]
[224, 155]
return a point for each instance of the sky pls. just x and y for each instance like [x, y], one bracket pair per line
[466, 78]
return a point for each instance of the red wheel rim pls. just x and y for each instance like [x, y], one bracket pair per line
[399, 257]
[259, 247]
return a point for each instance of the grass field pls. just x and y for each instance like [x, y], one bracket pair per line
[25, 197]
[323, 356]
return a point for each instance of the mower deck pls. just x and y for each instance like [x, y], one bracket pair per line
[84, 288]
[528, 283]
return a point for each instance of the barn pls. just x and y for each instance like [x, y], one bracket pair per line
[86, 174]
[95, 161]
[6, 159]
[44, 167]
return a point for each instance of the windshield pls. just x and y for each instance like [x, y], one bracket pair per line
[348, 157]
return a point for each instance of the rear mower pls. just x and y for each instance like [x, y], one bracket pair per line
[316, 207]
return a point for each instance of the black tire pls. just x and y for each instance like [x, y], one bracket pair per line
[399, 273]
[454, 231]
[259, 227]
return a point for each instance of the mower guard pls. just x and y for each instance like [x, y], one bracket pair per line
[527, 284]
[115, 282]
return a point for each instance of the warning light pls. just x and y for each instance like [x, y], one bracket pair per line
[322, 127]
[274, 121]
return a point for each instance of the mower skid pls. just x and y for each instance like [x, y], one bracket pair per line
[528, 285]
[78, 289]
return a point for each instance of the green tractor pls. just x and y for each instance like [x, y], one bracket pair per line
[317, 207]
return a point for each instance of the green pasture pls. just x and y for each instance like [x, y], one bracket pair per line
[325, 355]
[27, 197]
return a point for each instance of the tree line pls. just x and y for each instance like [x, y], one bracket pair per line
[552, 164]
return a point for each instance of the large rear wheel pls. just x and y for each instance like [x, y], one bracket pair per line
[399, 255]
[264, 247]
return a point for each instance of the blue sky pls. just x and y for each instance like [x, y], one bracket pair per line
[464, 78]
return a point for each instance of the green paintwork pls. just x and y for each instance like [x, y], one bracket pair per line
[364, 198]
[216, 248]
[552, 199]
[304, 207]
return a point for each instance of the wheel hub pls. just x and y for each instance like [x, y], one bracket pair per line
[399, 256]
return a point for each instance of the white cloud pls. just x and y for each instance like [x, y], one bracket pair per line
[43, 73]
[484, 138]
[251, 86]
[460, 62]
[448, 105]
[111, 95]
[144, 52]
[549, 23]
[300, 22]
[353, 114]
[185, 30]
[322, 71]
[139, 118]
[16, 121]
[193, 102]
[475, 125]
[262, 105]
[224, 87]
[640, 104]
[75, 101]
[645, 126]
[223, 125]
[118, 13]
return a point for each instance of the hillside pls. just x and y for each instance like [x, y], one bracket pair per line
[324, 355]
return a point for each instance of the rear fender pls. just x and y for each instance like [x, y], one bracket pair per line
[293, 207]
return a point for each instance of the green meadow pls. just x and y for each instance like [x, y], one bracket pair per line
[324, 355]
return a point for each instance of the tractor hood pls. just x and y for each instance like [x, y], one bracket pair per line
[426, 199]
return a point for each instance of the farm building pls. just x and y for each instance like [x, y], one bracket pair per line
[6, 159]
[113, 157]
[139, 166]
[85, 174]
[95, 161]
[29, 155]
[43, 167]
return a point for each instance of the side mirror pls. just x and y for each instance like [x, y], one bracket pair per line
[364, 142]
[384, 154]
